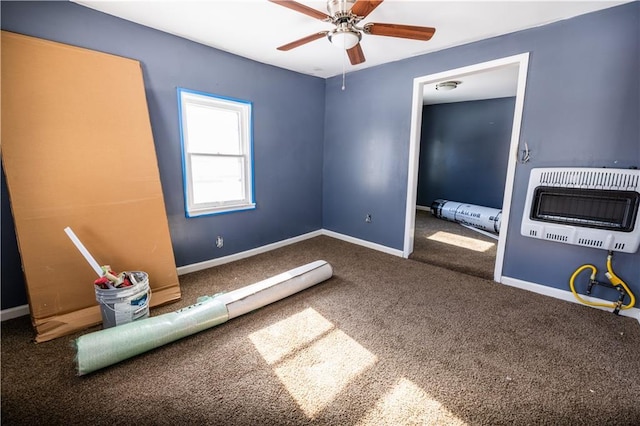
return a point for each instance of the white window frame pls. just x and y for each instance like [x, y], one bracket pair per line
[243, 109]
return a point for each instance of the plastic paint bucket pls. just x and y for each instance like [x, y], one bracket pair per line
[123, 305]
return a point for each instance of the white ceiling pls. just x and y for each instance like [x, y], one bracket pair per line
[499, 82]
[255, 28]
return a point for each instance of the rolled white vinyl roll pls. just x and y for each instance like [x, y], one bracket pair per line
[480, 217]
[254, 296]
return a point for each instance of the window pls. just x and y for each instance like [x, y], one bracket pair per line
[217, 153]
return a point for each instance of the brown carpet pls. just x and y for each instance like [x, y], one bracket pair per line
[385, 341]
[452, 246]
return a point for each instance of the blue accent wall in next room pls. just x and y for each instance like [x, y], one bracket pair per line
[573, 116]
[288, 123]
[464, 148]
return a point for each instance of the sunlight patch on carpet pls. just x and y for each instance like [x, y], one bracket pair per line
[460, 241]
[313, 359]
[407, 404]
[287, 336]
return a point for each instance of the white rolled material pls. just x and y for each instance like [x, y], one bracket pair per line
[481, 217]
[254, 296]
[109, 346]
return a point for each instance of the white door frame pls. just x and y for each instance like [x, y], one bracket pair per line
[522, 60]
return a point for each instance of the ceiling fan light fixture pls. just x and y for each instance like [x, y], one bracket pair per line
[447, 85]
[344, 38]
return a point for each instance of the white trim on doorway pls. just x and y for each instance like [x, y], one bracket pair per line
[522, 60]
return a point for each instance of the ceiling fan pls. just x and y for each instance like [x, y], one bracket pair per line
[346, 15]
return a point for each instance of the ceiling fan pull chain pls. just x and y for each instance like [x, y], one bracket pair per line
[344, 60]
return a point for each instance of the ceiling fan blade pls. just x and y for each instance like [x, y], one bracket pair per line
[403, 31]
[298, 7]
[365, 7]
[356, 55]
[303, 40]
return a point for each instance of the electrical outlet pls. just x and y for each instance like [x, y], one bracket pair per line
[368, 218]
[219, 241]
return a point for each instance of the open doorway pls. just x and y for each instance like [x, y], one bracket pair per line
[477, 77]
[464, 148]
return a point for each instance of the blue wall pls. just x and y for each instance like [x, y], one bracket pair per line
[581, 109]
[288, 113]
[13, 289]
[464, 148]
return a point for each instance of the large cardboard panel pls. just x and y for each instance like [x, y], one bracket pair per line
[78, 151]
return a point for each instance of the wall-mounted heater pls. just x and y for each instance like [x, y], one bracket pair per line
[589, 207]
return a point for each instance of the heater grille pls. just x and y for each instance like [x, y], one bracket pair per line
[584, 206]
[594, 208]
[557, 237]
[619, 246]
[592, 243]
[616, 179]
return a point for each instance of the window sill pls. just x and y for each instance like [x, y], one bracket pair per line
[209, 211]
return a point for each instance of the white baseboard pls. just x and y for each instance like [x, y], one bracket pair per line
[425, 208]
[481, 231]
[364, 243]
[243, 255]
[237, 256]
[565, 295]
[15, 312]
[19, 311]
